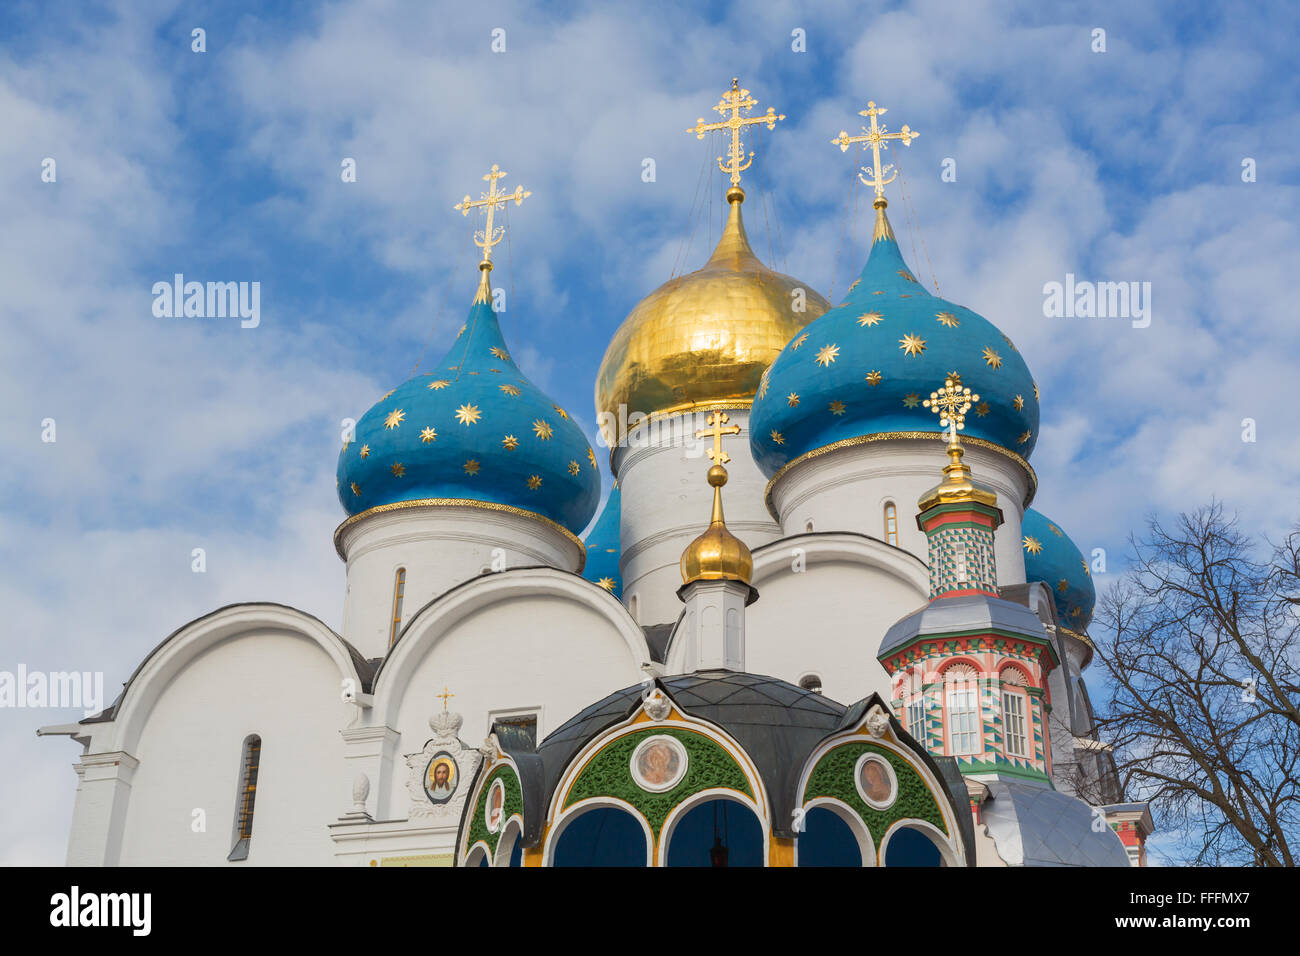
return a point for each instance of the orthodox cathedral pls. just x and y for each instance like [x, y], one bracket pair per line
[816, 621]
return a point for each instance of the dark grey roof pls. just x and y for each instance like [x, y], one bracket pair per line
[656, 638]
[970, 612]
[1038, 826]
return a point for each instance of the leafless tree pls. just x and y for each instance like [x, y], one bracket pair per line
[1199, 644]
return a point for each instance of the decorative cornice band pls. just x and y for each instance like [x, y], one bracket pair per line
[887, 436]
[459, 503]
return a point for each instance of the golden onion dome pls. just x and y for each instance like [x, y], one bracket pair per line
[717, 554]
[703, 340]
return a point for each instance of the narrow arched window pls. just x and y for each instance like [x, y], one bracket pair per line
[399, 590]
[246, 797]
[891, 524]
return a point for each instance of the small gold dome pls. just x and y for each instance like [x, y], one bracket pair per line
[717, 554]
[705, 339]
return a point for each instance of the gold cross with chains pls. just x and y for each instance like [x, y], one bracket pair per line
[735, 100]
[877, 136]
[952, 402]
[446, 693]
[715, 421]
[491, 235]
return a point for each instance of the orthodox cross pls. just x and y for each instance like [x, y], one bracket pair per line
[952, 402]
[446, 693]
[735, 100]
[715, 421]
[876, 136]
[491, 235]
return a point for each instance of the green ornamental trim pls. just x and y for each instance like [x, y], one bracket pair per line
[514, 804]
[833, 776]
[609, 774]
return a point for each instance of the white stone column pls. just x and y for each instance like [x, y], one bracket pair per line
[713, 627]
[103, 788]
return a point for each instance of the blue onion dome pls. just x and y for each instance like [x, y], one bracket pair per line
[867, 365]
[1051, 557]
[604, 546]
[474, 431]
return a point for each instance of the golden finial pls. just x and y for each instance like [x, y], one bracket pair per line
[952, 402]
[490, 234]
[877, 137]
[446, 693]
[717, 554]
[734, 101]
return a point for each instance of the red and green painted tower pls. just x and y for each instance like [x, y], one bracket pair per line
[969, 670]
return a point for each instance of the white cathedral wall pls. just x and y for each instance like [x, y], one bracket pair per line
[273, 683]
[828, 617]
[538, 642]
[847, 490]
[666, 504]
[440, 547]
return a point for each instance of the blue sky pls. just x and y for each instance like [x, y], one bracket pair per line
[182, 433]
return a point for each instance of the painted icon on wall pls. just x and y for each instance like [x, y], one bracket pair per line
[495, 808]
[659, 763]
[441, 777]
[876, 781]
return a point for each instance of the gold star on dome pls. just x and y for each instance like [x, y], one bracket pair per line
[394, 418]
[948, 319]
[1062, 585]
[1032, 544]
[398, 469]
[561, 412]
[911, 344]
[827, 355]
[574, 467]
[762, 385]
[777, 437]
[903, 273]
[911, 400]
[792, 399]
[428, 435]
[591, 457]
[510, 443]
[1086, 570]
[794, 346]
[346, 442]
[836, 407]
[1023, 438]
[509, 389]
[982, 409]
[439, 384]
[1036, 398]
[955, 376]
[607, 584]
[991, 357]
[356, 490]
[534, 482]
[1019, 404]
[462, 331]
[387, 393]
[874, 377]
[468, 414]
[868, 319]
[879, 292]
[365, 451]
[853, 285]
[541, 429]
[1055, 530]
[471, 467]
[500, 353]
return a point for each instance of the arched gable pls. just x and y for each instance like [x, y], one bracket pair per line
[187, 644]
